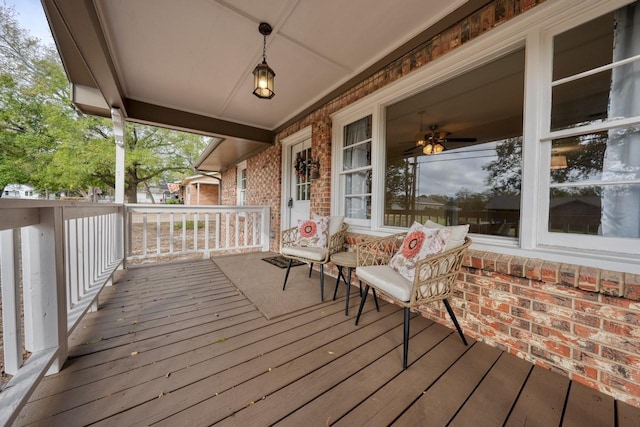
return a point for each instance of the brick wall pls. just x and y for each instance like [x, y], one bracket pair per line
[229, 186]
[580, 321]
[208, 195]
[576, 320]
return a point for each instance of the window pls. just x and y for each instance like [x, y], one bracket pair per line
[355, 170]
[454, 151]
[593, 141]
[242, 183]
[303, 175]
[530, 134]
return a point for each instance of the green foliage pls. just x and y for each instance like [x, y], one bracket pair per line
[505, 173]
[188, 225]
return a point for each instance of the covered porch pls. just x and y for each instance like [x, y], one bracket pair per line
[529, 287]
[178, 343]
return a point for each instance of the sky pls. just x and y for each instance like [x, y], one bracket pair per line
[30, 16]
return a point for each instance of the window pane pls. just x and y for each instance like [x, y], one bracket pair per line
[578, 159]
[357, 157]
[476, 179]
[575, 210]
[583, 48]
[606, 95]
[358, 207]
[607, 210]
[357, 131]
[477, 185]
[580, 102]
[358, 183]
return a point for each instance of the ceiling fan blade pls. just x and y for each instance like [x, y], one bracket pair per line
[462, 139]
[412, 149]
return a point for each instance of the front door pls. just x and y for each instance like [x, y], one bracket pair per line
[299, 182]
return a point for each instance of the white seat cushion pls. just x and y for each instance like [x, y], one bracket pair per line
[387, 280]
[394, 284]
[314, 254]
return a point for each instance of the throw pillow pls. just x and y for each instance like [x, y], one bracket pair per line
[419, 243]
[458, 233]
[313, 232]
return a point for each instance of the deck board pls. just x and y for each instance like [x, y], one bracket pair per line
[491, 402]
[336, 402]
[178, 344]
[541, 401]
[390, 401]
[437, 405]
[585, 406]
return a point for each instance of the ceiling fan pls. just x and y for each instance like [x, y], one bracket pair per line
[434, 142]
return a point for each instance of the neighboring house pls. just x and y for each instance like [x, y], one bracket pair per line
[156, 194]
[20, 191]
[200, 190]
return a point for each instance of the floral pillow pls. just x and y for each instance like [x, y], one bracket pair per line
[313, 232]
[420, 242]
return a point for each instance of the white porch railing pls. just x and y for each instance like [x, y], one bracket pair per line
[155, 231]
[65, 253]
[56, 257]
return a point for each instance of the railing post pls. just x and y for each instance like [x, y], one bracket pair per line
[10, 273]
[265, 227]
[43, 285]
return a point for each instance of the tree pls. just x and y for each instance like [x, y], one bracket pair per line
[400, 182]
[505, 173]
[29, 87]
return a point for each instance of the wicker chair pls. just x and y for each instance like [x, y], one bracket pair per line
[335, 243]
[434, 280]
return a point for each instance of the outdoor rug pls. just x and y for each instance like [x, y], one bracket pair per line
[262, 284]
[282, 262]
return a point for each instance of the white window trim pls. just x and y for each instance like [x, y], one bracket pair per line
[239, 168]
[533, 29]
[563, 240]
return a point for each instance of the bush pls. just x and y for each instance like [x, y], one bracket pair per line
[189, 225]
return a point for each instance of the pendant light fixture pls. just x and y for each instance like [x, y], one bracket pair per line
[263, 75]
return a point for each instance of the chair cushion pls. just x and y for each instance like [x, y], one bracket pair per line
[419, 243]
[313, 254]
[387, 280]
[313, 232]
[458, 233]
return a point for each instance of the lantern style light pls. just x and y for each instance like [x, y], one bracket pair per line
[263, 75]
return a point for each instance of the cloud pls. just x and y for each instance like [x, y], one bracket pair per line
[447, 173]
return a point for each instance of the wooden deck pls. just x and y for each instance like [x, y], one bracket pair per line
[177, 344]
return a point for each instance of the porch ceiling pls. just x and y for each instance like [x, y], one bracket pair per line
[187, 65]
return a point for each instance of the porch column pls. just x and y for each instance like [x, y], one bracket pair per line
[118, 133]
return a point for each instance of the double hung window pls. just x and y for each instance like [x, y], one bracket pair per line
[355, 174]
[593, 139]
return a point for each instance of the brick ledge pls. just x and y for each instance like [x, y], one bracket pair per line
[591, 279]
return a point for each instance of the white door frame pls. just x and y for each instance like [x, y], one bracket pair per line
[287, 165]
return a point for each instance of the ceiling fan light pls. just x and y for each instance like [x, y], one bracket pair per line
[558, 162]
[438, 148]
[428, 149]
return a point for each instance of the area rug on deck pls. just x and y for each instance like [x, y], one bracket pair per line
[262, 284]
[282, 262]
